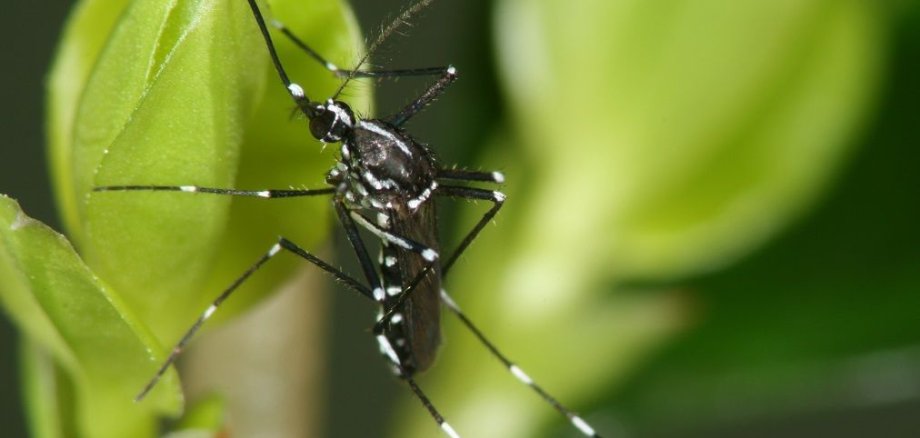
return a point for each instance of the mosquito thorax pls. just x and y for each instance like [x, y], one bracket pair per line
[331, 121]
[384, 167]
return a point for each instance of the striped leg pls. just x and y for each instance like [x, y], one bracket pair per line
[518, 373]
[342, 73]
[264, 194]
[498, 199]
[360, 250]
[274, 250]
[348, 220]
[429, 255]
[394, 360]
[448, 77]
[471, 175]
[297, 93]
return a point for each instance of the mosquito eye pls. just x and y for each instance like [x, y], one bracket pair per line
[332, 122]
[323, 127]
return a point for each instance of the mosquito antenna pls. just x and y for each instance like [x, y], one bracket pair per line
[401, 20]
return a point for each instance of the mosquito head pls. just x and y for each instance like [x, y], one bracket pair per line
[331, 121]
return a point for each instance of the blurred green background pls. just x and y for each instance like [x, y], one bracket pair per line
[713, 206]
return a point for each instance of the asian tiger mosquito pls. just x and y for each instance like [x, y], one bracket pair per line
[385, 182]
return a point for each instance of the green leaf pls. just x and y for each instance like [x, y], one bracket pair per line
[207, 414]
[167, 103]
[821, 323]
[83, 38]
[44, 391]
[713, 124]
[167, 93]
[60, 305]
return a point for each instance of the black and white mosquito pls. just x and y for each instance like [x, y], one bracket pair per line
[385, 182]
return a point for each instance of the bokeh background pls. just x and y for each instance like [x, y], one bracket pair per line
[799, 318]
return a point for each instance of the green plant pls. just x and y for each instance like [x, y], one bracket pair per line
[646, 141]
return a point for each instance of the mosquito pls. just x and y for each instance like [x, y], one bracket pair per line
[385, 182]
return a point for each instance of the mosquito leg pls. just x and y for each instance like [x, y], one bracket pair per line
[448, 76]
[497, 198]
[348, 220]
[518, 373]
[296, 91]
[471, 176]
[427, 253]
[357, 244]
[448, 430]
[274, 250]
[391, 355]
[401, 20]
[264, 194]
[342, 73]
